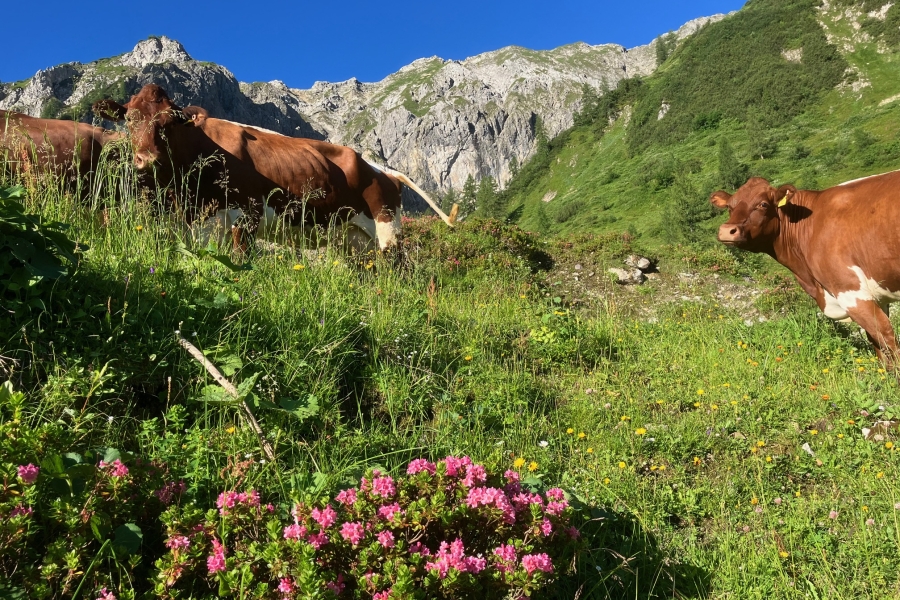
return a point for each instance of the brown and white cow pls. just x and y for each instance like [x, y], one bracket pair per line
[335, 180]
[842, 244]
[28, 143]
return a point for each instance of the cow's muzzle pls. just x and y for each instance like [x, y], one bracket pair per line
[143, 160]
[731, 234]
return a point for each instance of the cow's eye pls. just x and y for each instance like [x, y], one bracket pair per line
[764, 205]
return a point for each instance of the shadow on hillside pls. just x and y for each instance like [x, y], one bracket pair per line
[625, 560]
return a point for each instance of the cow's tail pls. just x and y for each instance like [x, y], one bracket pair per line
[449, 220]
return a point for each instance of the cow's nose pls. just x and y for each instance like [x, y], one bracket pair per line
[729, 232]
[143, 161]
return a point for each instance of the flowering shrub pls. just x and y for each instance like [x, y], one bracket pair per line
[445, 530]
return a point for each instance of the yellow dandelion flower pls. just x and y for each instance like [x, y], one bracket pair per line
[653, 467]
[697, 460]
[714, 407]
[865, 508]
[570, 431]
[697, 405]
[606, 481]
[754, 450]
[879, 475]
[139, 228]
[336, 263]
[640, 431]
[662, 467]
[582, 435]
[761, 444]
[814, 432]
[230, 429]
[824, 370]
[468, 357]
[299, 267]
[700, 392]
[624, 418]
[754, 501]
[532, 466]
[621, 464]
[768, 459]
[590, 450]
[783, 554]
[519, 463]
[797, 493]
[889, 445]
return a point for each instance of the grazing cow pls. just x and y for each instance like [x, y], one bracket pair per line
[842, 244]
[335, 180]
[57, 146]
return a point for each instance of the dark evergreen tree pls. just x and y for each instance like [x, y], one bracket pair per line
[448, 200]
[467, 198]
[732, 174]
[487, 199]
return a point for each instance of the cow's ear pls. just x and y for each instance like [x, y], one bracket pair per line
[783, 195]
[110, 110]
[195, 115]
[720, 199]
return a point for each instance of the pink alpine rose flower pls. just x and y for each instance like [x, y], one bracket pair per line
[352, 532]
[28, 473]
[537, 562]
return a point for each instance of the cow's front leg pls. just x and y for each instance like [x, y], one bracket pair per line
[869, 315]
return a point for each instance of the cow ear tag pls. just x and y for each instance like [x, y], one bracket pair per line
[783, 202]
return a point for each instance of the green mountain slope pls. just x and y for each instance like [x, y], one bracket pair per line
[788, 90]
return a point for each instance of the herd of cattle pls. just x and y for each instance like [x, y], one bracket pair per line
[842, 244]
[215, 167]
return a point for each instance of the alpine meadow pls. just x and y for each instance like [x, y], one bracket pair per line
[574, 391]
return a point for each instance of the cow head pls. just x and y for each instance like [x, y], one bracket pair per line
[148, 114]
[754, 208]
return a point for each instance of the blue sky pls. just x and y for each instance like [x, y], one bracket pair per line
[302, 42]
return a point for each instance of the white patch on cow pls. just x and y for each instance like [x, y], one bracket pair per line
[268, 221]
[253, 127]
[218, 226]
[864, 178]
[838, 307]
[388, 232]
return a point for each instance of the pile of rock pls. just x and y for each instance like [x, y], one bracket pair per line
[639, 266]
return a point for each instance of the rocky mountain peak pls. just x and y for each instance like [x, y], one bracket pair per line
[156, 50]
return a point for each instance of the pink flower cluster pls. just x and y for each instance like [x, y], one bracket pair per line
[337, 586]
[537, 562]
[115, 469]
[228, 500]
[21, 511]
[455, 465]
[452, 556]
[388, 511]
[347, 497]
[106, 595]
[216, 561]
[383, 595]
[353, 532]
[286, 587]
[178, 542]
[168, 492]
[384, 487]
[419, 465]
[325, 517]
[492, 497]
[506, 555]
[28, 473]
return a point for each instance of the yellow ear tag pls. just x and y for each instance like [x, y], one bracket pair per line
[783, 201]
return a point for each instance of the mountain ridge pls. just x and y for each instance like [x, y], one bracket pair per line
[438, 120]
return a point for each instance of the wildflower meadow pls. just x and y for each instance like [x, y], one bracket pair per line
[480, 414]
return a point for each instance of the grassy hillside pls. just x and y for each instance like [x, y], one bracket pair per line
[797, 92]
[706, 430]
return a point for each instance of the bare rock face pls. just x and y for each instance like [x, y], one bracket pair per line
[437, 120]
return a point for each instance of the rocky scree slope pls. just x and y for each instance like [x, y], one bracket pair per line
[437, 120]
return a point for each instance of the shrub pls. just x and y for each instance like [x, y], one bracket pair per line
[445, 530]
